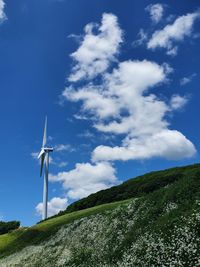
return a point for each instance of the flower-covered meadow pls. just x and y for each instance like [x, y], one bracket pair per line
[159, 229]
[114, 238]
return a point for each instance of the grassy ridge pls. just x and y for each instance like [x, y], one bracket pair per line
[135, 187]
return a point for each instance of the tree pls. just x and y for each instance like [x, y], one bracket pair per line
[6, 227]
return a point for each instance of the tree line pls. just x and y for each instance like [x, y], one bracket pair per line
[6, 227]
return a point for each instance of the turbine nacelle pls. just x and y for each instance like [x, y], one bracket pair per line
[41, 156]
[45, 150]
[48, 149]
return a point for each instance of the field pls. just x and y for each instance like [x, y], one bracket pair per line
[18, 239]
[161, 216]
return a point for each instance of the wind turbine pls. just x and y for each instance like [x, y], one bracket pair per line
[44, 160]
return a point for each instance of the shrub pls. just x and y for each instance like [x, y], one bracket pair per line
[6, 227]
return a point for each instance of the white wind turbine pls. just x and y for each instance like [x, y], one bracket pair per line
[44, 160]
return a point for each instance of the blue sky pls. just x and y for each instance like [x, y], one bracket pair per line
[121, 95]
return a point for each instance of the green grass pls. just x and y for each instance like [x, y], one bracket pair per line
[18, 239]
[136, 187]
[178, 185]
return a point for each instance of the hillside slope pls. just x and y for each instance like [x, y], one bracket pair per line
[160, 227]
[135, 187]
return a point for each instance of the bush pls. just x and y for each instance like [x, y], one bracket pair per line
[6, 227]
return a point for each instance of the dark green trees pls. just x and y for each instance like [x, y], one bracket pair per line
[6, 227]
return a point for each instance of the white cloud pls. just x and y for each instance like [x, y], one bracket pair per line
[173, 51]
[86, 178]
[51, 160]
[173, 33]
[122, 102]
[64, 147]
[80, 116]
[50, 138]
[177, 101]
[34, 155]
[62, 164]
[156, 12]
[133, 111]
[103, 105]
[96, 51]
[142, 38]
[145, 126]
[186, 80]
[119, 89]
[2, 13]
[55, 205]
[87, 134]
[166, 143]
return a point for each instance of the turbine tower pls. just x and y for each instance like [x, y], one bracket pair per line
[44, 161]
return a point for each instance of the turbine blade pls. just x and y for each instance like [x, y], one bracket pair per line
[42, 163]
[45, 133]
[41, 153]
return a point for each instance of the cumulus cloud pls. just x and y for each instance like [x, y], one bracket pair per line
[156, 12]
[168, 144]
[124, 105]
[123, 102]
[98, 48]
[55, 205]
[123, 89]
[86, 178]
[177, 101]
[119, 90]
[2, 13]
[103, 106]
[145, 126]
[173, 33]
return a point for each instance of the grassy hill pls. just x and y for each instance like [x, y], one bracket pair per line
[135, 187]
[20, 238]
[152, 220]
